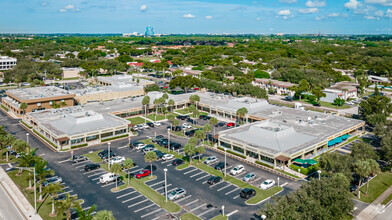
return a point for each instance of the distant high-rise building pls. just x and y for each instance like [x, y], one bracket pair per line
[149, 31]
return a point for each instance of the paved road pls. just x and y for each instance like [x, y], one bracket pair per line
[386, 214]
[7, 208]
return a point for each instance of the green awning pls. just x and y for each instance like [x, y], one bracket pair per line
[305, 161]
[298, 160]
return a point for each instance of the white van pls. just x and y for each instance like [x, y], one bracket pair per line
[108, 177]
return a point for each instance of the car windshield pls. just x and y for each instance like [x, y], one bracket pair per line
[174, 193]
[266, 183]
[247, 176]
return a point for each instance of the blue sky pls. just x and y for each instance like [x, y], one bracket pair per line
[197, 16]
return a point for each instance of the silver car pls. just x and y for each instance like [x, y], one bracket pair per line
[175, 194]
[211, 160]
[249, 177]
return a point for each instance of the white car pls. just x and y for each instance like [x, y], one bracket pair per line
[267, 184]
[175, 194]
[117, 159]
[108, 177]
[186, 126]
[145, 126]
[237, 170]
[211, 160]
[157, 124]
[167, 157]
[140, 146]
[138, 127]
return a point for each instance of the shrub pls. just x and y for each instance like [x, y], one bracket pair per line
[264, 164]
[234, 153]
[5, 108]
[305, 171]
[77, 146]
[261, 74]
[113, 138]
[25, 124]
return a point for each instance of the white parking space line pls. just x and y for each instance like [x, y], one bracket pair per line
[227, 168]
[217, 184]
[80, 165]
[235, 197]
[190, 171]
[123, 147]
[232, 213]
[145, 207]
[162, 187]
[64, 192]
[132, 198]
[255, 180]
[109, 184]
[150, 213]
[135, 204]
[97, 173]
[169, 190]
[169, 165]
[231, 191]
[284, 184]
[202, 177]
[186, 168]
[191, 202]
[228, 185]
[167, 161]
[84, 161]
[209, 210]
[194, 209]
[126, 194]
[64, 161]
[132, 168]
[182, 199]
[93, 171]
[41, 155]
[156, 183]
[196, 174]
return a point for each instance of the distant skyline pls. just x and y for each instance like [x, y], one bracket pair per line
[197, 16]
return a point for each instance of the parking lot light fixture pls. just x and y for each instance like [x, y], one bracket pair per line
[278, 181]
[263, 217]
[109, 155]
[225, 160]
[223, 210]
[319, 174]
[165, 170]
[168, 139]
[27, 138]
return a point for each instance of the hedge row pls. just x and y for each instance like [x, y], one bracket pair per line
[113, 138]
[305, 171]
[264, 164]
[5, 108]
[77, 146]
[25, 124]
[234, 153]
[47, 140]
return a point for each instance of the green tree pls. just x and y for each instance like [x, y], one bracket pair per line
[64, 206]
[27, 160]
[200, 149]
[207, 128]
[116, 169]
[363, 151]
[318, 92]
[192, 141]
[41, 173]
[190, 150]
[374, 169]
[194, 99]
[171, 103]
[21, 146]
[184, 82]
[145, 102]
[128, 164]
[150, 157]
[4, 142]
[213, 122]
[200, 135]
[104, 215]
[83, 215]
[337, 163]
[338, 101]
[23, 106]
[376, 108]
[53, 190]
[241, 113]
[362, 169]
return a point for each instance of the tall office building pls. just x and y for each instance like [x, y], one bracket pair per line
[7, 63]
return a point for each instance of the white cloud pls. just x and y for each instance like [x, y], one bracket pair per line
[44, 4]
[380, 2]
[370, 17]
[379, 13]
[188, 16]
[284, 12]
[318, 18]
[143, 7]
[69, 8]
[288, 1]
[352, 4]
[316, 3]
[388, 14]
[334, 14]
[285, 17]
[208, 17]
[258, 19]
[308, 10]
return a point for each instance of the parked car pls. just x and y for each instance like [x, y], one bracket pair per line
[237, 170]
[182, 117]
[150, 124]
[79, 158]
[175, 146]
[175, 194]
[249, 177]
[211, 160]
[163, 142]
[177, 162]
[105, 156]
[103, 152]
[206, 117]
[134, 144]
[157, 124]
[140, 146]
[190, 120]
[230, 124]
[138, 127]
[142, 174]
[91, 166]
[117, 159]
[220, 166]
[202, 116]
[247, 193]
[52, 180]
[267, 184]
[220, 124]
[214, 179]
[186, 126]
[157, 138]
[108, 177]
[148, 148]
[159, 154]
[145, 126]
[167, 157]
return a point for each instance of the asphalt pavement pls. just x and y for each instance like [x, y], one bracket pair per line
[7, 207]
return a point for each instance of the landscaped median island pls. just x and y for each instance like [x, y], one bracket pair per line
[140, 186]
[93, 156]
[220, 217]
[189, 216]
[137, 120]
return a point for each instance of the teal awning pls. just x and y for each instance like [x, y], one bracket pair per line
[344, 137]
[338, 140]
[331, 142]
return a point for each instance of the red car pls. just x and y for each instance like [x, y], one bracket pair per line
[230, 124]
[196, 88]
[142, 174]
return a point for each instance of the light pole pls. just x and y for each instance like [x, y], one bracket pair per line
[129, 142]
[165, 170]
[263, 217]
[278, 181]
[319, 173]
[27, 138]
[168, 142]
[225, 161]
[109, 156]
[223, 210]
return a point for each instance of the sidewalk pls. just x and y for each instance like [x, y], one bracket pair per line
[375, 207]
[19, 200]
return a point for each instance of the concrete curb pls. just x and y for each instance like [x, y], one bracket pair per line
[265, 198]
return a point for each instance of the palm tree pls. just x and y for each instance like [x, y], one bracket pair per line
[362, 169]
[23, 106]
[104, 215]
[4, 142]
[116, 169]
[200, 149]
[21, 146]
[27, 160]
[374, 168]
[128, 164]
[171, 103]
[213, 122]
[151, 157]
[194, 99]
[145, 102]
[200, 135]
[53, 190]
[156, 104]
[242, 112]
[190, 150]
[207, 128]
[64, 206]
[171, 118]
[41, 173]
[83, 215]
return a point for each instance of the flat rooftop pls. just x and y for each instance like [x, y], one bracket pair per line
[76, 120]
[122, 80]
[104, 89]
[38, 92]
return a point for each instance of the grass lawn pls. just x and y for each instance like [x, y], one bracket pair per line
[389, 198]
[10, 159]
[45, 207]
[178, 133]
[325, 104]
[159, 117]
[220, 217]
[376, 187]
[94, 156]
[137, 120]
[145, 58]
[183, 111]
[189, 216]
